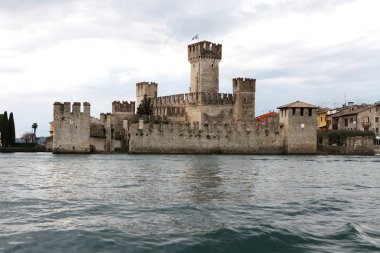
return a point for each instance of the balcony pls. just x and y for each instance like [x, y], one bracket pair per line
[366, 125]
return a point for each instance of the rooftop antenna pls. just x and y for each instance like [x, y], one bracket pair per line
[345, 98]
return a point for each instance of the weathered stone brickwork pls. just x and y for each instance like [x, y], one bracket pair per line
[71, 128]
[204, 58]
[299, 121]
[227, 139]
[145, 88]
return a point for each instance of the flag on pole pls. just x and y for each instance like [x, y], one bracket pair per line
[196, 37]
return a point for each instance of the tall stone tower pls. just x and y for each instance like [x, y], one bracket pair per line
[299, 121]
[148, 88]
[244, 96]
[204, 58]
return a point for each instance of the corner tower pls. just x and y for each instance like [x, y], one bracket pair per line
[299, 121]
[204, 58]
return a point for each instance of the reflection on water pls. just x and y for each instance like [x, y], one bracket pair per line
[203, 180]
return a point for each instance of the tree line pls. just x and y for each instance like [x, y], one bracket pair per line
[7, 130]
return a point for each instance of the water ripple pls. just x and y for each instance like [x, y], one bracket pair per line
[147, 203]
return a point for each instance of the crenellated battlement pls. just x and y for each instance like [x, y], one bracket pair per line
[145, 88]
[150, 84]
[244, 84]
[235, 138]
[71, 127]
[270, 125]
[204, 50]
[197, 98]
[123, 106]
[107, 118]
[66, 108]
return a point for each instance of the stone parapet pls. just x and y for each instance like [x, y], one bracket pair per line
[198, 98]
[123, 106]
[204, 49]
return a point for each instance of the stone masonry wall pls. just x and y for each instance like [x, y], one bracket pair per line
[357, 145]
[71, 128]
[227, 139]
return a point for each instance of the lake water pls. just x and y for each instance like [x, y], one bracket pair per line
[189, 203]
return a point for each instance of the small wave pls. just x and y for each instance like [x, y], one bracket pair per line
[261, 239]
[361, 237]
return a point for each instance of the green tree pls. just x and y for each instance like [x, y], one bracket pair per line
[12, 130]
[34, 126]
[1, 127]
[5, 130]
[145, 107]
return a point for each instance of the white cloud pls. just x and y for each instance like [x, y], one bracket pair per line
[97, 50]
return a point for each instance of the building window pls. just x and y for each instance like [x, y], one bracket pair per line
[301, 111]
[310, 112]
[345, 122]
[377, 119]
[351, 120]
[377, 130]
[294, 111]
[321, 119]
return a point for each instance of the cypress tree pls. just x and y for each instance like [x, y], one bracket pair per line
[1, 128]
[145, 107]
[5, 130]
[12, 130]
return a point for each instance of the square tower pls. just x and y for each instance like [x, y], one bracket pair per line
[145, 88]
[244, 98]
[299, 121]
[204, 58]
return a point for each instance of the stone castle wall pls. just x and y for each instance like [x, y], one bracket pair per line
[71, 128]
[197, 98]
[227, 139]
[357, 145]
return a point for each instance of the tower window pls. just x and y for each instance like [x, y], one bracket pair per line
[310, 112]
[212, 65]
[301, 111]
[294, 111]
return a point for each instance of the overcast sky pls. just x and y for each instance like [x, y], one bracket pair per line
[320, 52]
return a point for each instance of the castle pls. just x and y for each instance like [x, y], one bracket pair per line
[201, 121]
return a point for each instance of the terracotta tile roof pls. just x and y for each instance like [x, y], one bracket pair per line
[266, 115]
[297, 104]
